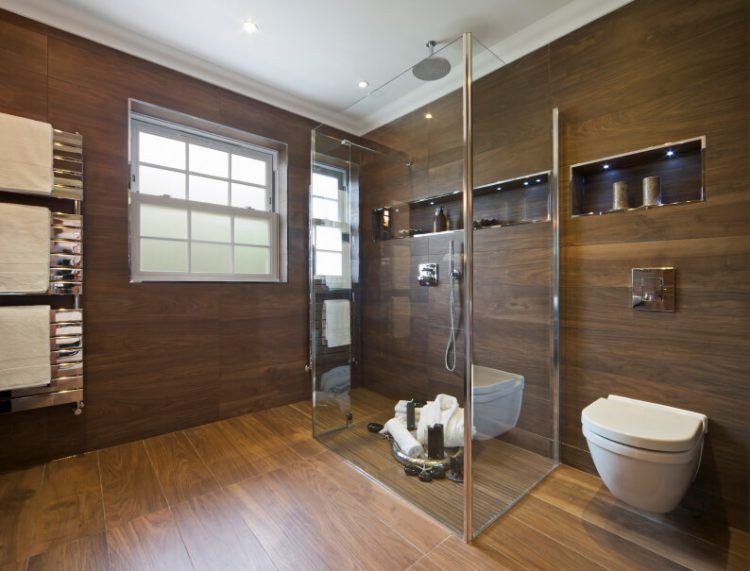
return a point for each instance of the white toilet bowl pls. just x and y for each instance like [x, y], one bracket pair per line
[497, 401]
[647, 454]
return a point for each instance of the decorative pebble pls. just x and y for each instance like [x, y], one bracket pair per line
[437, 472]
[412, 470]
[425, 476]
[374, 427]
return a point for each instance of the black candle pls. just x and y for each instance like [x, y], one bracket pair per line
[435, 442]
[411, 416]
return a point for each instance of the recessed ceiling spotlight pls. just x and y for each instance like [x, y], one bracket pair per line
[670, 153]
[250, 27]
[538, 180]
[362, 84]
[526, 183]
[499, 188]
[428, 115]
[605, 166]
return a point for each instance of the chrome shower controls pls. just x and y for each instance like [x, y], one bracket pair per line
[428, 274]
[653, 289]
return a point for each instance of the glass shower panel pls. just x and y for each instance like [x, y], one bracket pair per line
[407, 166]
[514, 392]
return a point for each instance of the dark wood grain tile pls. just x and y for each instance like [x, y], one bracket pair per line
[180, 471]
[129, 483]
[85, 554]
[148, 542]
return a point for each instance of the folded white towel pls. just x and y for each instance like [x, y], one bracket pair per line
[26, 151]
[405, 440]
[337, 380]
[338, 324]
[24, 248]
[24, 346]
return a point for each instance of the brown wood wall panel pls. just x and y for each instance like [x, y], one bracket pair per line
[646, 74]
[159, 357]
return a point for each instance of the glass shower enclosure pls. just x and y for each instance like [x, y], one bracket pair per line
[434, 287]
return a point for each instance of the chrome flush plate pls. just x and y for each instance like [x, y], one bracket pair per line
[653, 289]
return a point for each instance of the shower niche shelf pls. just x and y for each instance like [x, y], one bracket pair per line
[678, 166]
[521, 200]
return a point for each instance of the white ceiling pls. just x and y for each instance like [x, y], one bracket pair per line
[309, 54]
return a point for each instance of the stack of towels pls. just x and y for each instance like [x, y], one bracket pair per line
[443, 410]
[26, 151]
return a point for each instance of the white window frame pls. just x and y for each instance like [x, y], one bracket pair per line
[275, 199]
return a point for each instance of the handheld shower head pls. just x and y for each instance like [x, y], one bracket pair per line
[432, 67]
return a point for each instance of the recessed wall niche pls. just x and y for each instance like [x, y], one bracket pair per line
[521, 200]
[616, 184]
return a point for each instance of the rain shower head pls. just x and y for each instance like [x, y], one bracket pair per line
[432, 67]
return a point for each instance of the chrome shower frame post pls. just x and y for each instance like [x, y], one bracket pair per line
[555, 317]
[468, 279]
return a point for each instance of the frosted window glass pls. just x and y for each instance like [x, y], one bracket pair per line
[161, 182]
[328, 238]
[163, 256]
[244, 196]
[161, 151]
[209, 161]
[251, 260]
[325, 209]
[249, 170]
[163, 221]
[328, 263]
[251, 231]
[210, 226]
[210, 258]
[325, 186]
[210, 190]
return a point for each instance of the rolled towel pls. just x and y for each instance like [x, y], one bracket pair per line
[408, 444]
[440, 411]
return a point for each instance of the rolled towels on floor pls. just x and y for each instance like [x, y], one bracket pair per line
[24, 346]
[443, 410]
[26, 151]
[408, 444]
[24, 248]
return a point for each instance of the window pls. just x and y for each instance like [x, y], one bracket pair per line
[330, 222]
[203, 207]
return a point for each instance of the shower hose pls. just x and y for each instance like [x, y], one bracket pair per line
[450, 348]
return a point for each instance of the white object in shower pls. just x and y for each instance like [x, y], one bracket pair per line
[497, 398]
[647, 454]
[337, 322]
[26, 151]
[24, 346]
[405, 440]
[24, 248]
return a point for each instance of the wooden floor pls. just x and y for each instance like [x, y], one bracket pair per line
[502, 472]
[257, 492]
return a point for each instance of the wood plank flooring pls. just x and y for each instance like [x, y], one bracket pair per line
[257, 492]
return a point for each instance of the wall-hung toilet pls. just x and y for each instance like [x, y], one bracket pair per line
[497, 401]
[647, 454]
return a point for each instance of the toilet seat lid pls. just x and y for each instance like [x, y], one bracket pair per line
[644, 425]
